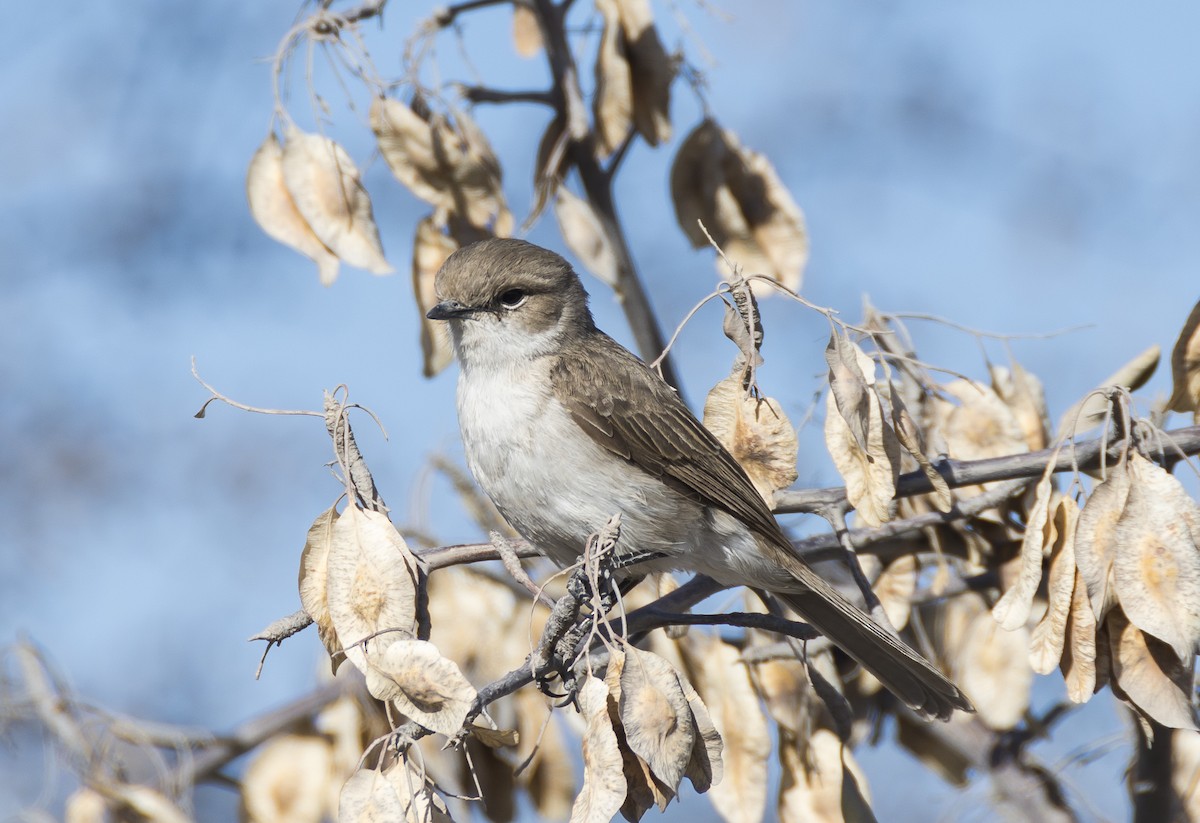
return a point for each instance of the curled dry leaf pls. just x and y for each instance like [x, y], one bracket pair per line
[447, 163]
[757, 433]
[743, 204]
[1092, 409]
[870, 474]
[724, 682]
[585, 236]
[1156, 571]
[851, 374]
[1095, 538]
[651, 71]
[291, 778]
[372, 585]
[526, 30]
[1048, 638]
[612, 104]
[1012, 610]
[327, 190]
[1149, 673]
[431, 247]
[604, 783]
[314, 581]
[1185, 366]
[423, 684]
[992, 669]
[706, 767]
[656, 715]
[275, 211]
[1078, 664]
[821, 782]
[909, 435]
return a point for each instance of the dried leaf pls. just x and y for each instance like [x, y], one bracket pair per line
[1092, 409]
[1149, 673]
[399, 794]
[604, 784]
[417, 799]
[851, 374]
[656, 716]
[895, 587]
[314, 581]
[870, 475]
[275, 211]
[290, 778]
[1095, 538]
[993, 671]
[1012, 610]
[423, 684]
[724, 682]
[706, 768]
[934, 750]
[909, 435]
[612, 105]
[584, 235]
[821, 782]
[1046, 643]
[1079, 652]
[372, 585]
[430, 249]
[1185, 366]
[495, 738]
[550, 167]
[550, 778]
[1156, 571]
[446, 162]
[756, 432]
[526, 30]
[327, 190]
[981, 425]
[1024, 394]
[651, 71]
[743, 204]
[1185, 772]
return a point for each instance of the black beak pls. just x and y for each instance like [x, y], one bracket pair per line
[449, 310]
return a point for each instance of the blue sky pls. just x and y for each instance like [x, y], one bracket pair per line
[1017, 166]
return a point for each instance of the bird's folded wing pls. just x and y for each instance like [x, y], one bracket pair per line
[630, 411]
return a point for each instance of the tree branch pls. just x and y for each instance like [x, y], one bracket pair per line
[958, 473]
[597, 185]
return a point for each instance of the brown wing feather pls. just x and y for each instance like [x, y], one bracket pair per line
[597, 380]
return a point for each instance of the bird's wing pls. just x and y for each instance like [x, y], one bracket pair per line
[629, 410]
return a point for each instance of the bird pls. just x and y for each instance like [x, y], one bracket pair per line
[563, 427]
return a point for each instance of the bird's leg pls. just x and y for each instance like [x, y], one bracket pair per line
[597, 590]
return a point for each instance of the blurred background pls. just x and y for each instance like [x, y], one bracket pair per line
[1017, 167]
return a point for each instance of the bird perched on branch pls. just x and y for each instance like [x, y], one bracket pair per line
[563, 427]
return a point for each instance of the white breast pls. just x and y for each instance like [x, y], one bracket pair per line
[550, 480]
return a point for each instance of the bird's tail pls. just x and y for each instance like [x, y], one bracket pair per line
[901, 670]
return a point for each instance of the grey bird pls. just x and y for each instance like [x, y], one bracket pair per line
[563, 428]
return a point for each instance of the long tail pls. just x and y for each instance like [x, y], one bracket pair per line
[901, 670]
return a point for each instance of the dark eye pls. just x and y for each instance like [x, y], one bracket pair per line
[512, 298]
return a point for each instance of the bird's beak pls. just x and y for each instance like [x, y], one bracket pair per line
[449, 310]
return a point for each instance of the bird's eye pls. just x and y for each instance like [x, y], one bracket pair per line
[512, 298]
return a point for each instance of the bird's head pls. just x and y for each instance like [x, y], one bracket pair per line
[508, 300]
